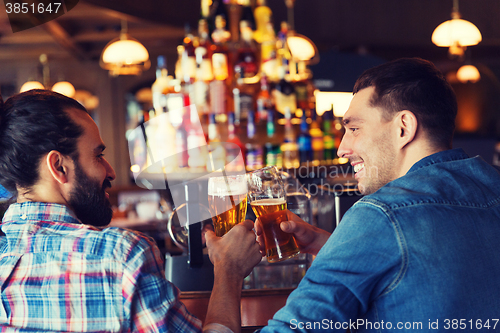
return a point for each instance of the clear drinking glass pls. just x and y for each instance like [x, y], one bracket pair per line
[267, 197]
[227, 201]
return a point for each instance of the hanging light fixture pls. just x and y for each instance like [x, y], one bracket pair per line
[456, 33]
[62, 87]
[468, 73]
[30, 85]
[125, 55]
[65, 88]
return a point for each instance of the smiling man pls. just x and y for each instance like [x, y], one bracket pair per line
[60, 270]
[419, 251]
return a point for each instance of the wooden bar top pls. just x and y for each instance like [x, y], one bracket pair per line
[257, 305]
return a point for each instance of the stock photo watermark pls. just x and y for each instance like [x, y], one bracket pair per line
[26, 14]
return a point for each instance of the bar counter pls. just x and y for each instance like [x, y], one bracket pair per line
[257, 305]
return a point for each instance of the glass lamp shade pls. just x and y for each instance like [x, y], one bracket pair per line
[65, 88]
[301, 47]
[30, 85]
[339, 100]
[468, 73]
[125, 56]
[456, 31]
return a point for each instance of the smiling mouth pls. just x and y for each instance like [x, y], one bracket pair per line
[358, 167]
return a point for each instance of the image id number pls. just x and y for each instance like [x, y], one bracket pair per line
[463, 324]
[25, 8]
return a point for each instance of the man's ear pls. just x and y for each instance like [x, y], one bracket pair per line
[57, 166]
[407, 125]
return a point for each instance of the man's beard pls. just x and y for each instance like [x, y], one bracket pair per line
[88, 199]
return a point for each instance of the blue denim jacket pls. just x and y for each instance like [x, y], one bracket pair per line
[420, 254]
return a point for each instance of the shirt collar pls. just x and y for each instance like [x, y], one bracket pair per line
[440, 157]
[39, 211]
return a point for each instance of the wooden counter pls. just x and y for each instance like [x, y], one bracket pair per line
[257, 305]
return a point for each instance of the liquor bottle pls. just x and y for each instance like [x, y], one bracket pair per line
[246, 71]
[181, 142]
[188, 60]
[204, 48]
[246, 65]
[247, 13]
[328, 138]
[272, 145]
[305, 141]
[216, 152]
[254, 151]
[268, 54]
[290, 148]
[165, 135]
[317, 138]
[284, 93]
[235, 148]
[264, 102]
[262, 15]
[220, 55]
[282, 51]
[178, 63]
[196, 141]
[219, 9]
[161, 86]
[203, 71]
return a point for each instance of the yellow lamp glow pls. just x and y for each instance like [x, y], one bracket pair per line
[30, 85]
[325, 99]
[301, 47]
[65, 88]
[125, 51]
[456, 32]
[125, 55]
[468, 73]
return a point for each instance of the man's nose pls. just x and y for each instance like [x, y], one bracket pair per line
[344, 150]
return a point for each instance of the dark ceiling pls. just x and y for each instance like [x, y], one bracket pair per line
[384, 28]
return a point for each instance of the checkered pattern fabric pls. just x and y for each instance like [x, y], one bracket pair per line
[57, 274]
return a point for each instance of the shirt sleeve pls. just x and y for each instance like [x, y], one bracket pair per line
[360, 261]
[150, 300]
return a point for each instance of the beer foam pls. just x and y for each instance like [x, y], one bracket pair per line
[268, 202]
[227, 185]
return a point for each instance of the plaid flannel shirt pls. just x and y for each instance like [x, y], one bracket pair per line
[57, 274]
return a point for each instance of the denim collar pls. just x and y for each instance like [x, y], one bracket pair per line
[440, 157]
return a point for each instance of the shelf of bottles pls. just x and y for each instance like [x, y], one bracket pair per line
[246, 88]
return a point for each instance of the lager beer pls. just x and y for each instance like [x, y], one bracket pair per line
[227, 201]
[279, 244]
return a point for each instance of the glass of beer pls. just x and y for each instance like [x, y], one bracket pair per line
[267, 196]
[227, 201]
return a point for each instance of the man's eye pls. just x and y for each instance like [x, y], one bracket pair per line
[100, 156]
[353, 129]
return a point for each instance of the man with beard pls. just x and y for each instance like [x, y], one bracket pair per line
[419, 252]
[59, 269]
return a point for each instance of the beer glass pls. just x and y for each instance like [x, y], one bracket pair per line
[267, 197]
[227, 201]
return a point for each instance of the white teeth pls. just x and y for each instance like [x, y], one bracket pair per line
[358, 167]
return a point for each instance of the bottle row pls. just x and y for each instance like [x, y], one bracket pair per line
[180, 142]
[221, 74]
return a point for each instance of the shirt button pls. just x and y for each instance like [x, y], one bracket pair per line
[24, 216]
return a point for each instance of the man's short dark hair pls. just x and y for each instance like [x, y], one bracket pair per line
[418, 86]
[32, 124]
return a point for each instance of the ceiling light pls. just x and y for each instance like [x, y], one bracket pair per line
[456, 33]
[30, 85]
[125, 55]
[301, 48]
[65, 88]
[339, 100]
[468, 73]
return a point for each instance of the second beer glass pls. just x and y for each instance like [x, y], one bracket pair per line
[266, 193]
[227, 201]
